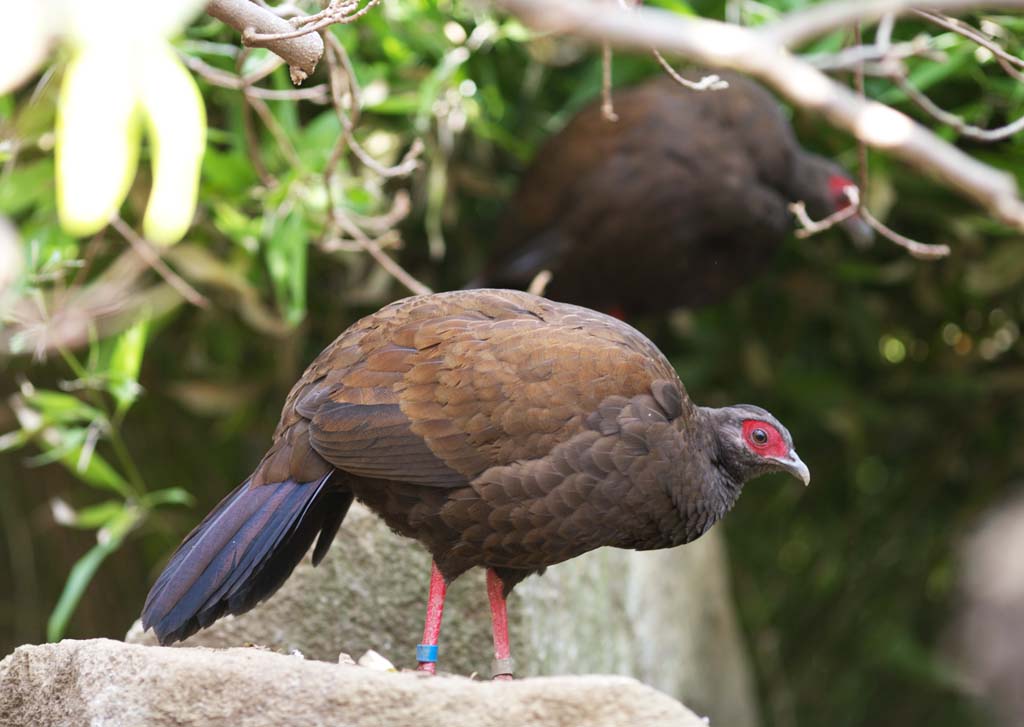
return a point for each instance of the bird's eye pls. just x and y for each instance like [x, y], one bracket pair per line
[759, 437]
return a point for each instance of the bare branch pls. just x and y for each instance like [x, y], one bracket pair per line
[607, 108]
[920, 250]
[801, 26]
[539, 283]
[951, 119]
[338, 12]
[409, 163]
[393, 268]
[147, 252]
[284, 143]
[761, 55]
[706, 83]
[809, 227]
[1005, 59]
[342, 78]
[858, 83]
[317, 94]
[301, 53]
[879, 55]
[401, 205]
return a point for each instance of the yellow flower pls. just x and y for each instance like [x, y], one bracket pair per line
[123, 79]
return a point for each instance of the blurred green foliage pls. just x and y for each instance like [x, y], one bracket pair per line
[900, 380]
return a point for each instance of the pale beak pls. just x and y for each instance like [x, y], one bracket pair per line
[795, 466]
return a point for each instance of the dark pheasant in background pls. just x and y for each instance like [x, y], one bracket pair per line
[677, 203]
[500, 430]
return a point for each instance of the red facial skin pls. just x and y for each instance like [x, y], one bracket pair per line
[837, 186]
[775, 446]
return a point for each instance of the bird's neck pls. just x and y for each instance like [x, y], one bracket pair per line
[709, 486]
[726, 476]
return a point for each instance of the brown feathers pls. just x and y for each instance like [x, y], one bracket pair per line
[497, 428]
[681, 200]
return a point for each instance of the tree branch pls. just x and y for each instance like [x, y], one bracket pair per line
[762, 54]
[801, 26]
[301, 52]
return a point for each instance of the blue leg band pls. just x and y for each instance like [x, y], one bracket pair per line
[426, 653]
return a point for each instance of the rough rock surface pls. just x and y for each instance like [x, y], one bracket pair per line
[102, 682]
[664, 617]
[990, 634]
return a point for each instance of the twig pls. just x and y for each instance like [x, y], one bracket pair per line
[879, 56]
[393, 268]
[706, 83]
[409, 163]
[252, 144]
[916, 249]
[539, 283]
[341, 77]
[883, 34]
[809, 227]
[335, 13]
[400, 208]
[301, 53]
[801, 26]
[762, 55]
[952, 120]
[1005, 59]
[858, 84]
[920, 250]
[152, 258]
[607, 108]
[274, 127]
[344, 63]
[317, 94]
[385, 241]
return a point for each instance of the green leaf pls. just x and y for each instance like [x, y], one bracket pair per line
[433, 84]
[170, 496]
[92, 469]
[68, 439]
[14, 440]
[286, 253]
[27, 186]
[125, 363]
[82, 573]
[680, 7]
[96, 516]
[236, 225]
[78, 579]
[96, 472]
[56, 407]
[400, 104]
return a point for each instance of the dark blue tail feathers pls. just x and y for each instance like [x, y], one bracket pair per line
[242, 552]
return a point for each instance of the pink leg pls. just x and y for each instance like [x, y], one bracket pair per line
[503, 665]
[426, 653]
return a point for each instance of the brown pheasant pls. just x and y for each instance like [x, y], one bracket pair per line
[499, 430]
[679, 202]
